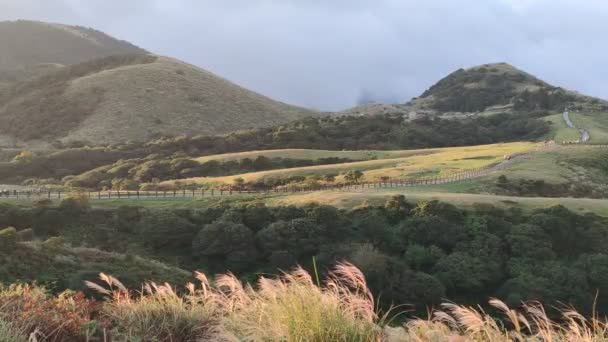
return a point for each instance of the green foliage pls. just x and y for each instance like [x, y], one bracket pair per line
[353, 176]
[165, 158]
[75, 202]
[230, 245]
[8, 239]
[411, 253]
[165, 230]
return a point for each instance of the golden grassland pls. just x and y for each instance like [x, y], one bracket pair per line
[169, 97]
[421, 163]
[295, 306]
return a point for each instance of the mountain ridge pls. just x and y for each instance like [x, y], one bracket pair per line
[29, 46]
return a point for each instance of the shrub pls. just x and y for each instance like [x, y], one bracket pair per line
[76, 201]
[31, 310]
[353, 176]
[8, 238]
[25, 235]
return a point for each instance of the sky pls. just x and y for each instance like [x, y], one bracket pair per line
[334, 54]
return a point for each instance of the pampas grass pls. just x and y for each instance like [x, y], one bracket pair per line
[289, 307]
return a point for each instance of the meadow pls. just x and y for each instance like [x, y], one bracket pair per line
[415, 164]
[559, 131]
[595, 123]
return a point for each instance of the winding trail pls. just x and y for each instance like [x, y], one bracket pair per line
[585, 136]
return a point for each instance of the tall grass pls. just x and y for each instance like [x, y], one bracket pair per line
[290, 307]
[10, 332]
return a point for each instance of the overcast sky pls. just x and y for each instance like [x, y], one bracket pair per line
[332, 54]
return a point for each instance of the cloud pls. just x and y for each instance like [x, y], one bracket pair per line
[331, 54]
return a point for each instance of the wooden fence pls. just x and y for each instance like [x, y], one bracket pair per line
[34, 194]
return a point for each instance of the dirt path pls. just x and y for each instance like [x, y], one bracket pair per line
[585, 136]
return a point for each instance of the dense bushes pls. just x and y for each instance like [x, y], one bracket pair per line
[540, 188]
[411, 253]
[131, 174]
[360, 132]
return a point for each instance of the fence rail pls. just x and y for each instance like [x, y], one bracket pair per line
[202, 193]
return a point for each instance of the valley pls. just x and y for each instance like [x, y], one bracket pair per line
[143, 198]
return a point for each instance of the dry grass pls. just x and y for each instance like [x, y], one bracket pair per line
[288, 308]
[169, 97]
[291, 307]
[42, 108]
[430, 162]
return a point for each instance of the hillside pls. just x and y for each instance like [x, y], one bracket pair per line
[135, 98]
[488, 88]
[30, 48]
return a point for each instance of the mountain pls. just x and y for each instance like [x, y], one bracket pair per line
[67, 83]
[489, 88]
[132, 97]
[30, 48]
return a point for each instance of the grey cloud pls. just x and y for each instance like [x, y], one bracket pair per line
[331, 54]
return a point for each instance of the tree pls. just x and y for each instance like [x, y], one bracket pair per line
[165, 230]
[225, 245]
[75, 202]
[530, 241]
[238, 182]
[329, 178]
[397, 208]
[256, 216]
[502, 181]
[353, 176]
[301, 237]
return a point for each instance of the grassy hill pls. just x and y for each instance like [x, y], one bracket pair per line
[133, 97]
[30, 48]
[489, 89]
